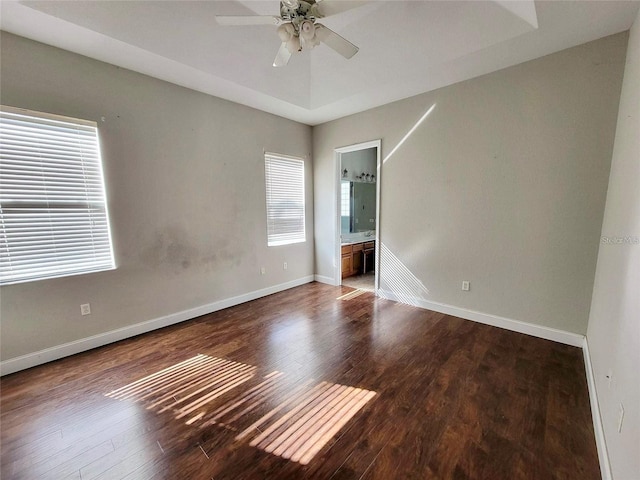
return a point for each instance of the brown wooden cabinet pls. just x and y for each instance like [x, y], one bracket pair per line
[347, 264]
[353, 258]
[357, 258]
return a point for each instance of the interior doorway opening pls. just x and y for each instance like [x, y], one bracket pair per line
[358, 215]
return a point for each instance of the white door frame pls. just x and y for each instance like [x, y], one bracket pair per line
[377, 144]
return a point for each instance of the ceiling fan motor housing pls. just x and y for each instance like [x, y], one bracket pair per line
[298, 11]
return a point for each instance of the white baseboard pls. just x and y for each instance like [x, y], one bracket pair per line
[540, 331]
[323, 279]
[603, 454]
[54, 353]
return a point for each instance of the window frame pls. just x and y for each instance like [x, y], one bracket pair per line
[276, 237]
[54, 189]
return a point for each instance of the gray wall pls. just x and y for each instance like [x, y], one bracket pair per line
[503, 185]
[185, 181]
[614, 325]
[358, 162]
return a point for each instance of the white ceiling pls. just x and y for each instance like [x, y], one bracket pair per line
[406, 47]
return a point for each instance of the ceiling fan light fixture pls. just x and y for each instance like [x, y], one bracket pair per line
[285, 32]
[307, 30]
[293, 45]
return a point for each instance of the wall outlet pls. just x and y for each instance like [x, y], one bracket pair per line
[85, 309]
[263, 270]
[466, 285]
[620, 417]
[285, 266]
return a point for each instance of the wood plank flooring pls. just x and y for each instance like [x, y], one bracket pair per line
[311, 383]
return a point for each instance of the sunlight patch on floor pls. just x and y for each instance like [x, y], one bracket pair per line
[313, 418]
[278, 413]
[186, 386]
[351, 295]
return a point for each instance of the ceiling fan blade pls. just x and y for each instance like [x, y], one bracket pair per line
[341, 45]
[233, 20]
[327, 8]
[283, 56]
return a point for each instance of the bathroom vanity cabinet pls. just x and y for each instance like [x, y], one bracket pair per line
[357, 258]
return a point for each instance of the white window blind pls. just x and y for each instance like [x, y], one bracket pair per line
[284, 177]
[53, 213]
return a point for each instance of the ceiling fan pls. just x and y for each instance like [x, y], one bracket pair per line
[297, 27]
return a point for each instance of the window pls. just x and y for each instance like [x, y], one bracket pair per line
[53, 212]
[345, 199]
[284, 177]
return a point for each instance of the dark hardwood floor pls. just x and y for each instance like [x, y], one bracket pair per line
[304, 384]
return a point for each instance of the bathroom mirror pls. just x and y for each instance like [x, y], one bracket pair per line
[357, 207]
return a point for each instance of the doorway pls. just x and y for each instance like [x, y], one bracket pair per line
[358, 215]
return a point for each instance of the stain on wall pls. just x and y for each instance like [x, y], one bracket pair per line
[173, 249]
